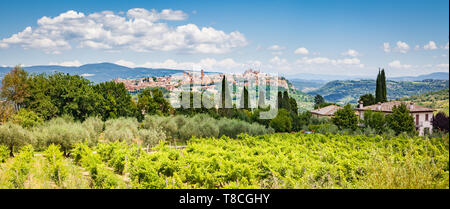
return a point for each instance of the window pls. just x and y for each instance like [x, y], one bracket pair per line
[417, 120]
[426, 117]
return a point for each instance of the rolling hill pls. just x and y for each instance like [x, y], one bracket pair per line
[350, 91]
[99, 72]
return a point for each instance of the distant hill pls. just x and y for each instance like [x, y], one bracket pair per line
[98, 72]
[307, 85]
[436, 76]
[350, 91]
[438, 100]
[330, 77]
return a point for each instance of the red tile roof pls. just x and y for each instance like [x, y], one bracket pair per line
[326, 111]
[387, 107]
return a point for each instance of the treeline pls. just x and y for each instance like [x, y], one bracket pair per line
[58, 94]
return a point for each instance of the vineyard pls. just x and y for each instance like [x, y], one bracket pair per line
[285, 160]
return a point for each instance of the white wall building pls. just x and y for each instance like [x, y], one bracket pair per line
[422, 115]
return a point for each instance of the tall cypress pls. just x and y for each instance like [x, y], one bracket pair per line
[285, 102]
[383, 86]
[223, 93]
[246, 105]
[280, 99]
[378, 96]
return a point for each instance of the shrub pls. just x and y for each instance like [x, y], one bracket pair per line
[346, 118]
[20, 167]
[4, 153]
[401, 120]
[201, 125]
[14, 136]
[121, 129]
[282, 122]
[26, 118]
[63, 132]
[55, 167]
[375, 120]
[101, 177]
[440, 122]
[151, 137]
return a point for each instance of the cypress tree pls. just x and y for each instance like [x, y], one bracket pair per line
[285, 102]
[378, 96]
[279, 99]
[383, 86]
[246, 102]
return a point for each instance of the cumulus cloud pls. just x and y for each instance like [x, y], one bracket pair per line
[138, 30]
[444, 47]
[351, 53]
[74, 63]
[325, 60]
[430, 46]
[402, 47]
[301, 50]
[442, 65]
[397, 64]
[209, 64]
[386, 47]
[276, 47]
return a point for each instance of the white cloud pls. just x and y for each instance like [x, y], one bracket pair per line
[417, 47]
[442, 65]
[397, 64]
[276, 47]
[87, 75]
[386, 47]
[324, 60]
[278, 61]
[277, 53]
[301, 50]
[444, 47]
[402, 47]
[208, 64]
[139, 30]
[74, 63]
[125, 63]
[351, 53]
[430, 46]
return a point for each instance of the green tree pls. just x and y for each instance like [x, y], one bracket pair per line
[146, 103]
[380, 91]
[115, 100]
[375, 120]
[318, 100]
[367, 99]
[280, 100]
[346, 118]
[26, 118]
[282, 122]
[293, 106]
[401, 120]
[14, 136]
[15, 86]
[378, 96]
[285, 101]
[383, 86]
[59, 94]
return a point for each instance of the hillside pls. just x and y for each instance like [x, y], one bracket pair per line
[350, 91]
[98, 72]
[438, 100]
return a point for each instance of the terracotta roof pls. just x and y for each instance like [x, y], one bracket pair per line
[387, 107]
[327, 111]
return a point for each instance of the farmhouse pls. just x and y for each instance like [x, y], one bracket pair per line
[327, 111]
[422, 115]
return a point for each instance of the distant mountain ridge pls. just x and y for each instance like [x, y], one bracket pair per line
[351, 90]
[320, 77]
[98, 72]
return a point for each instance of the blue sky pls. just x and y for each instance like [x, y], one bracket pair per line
[287, 37]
